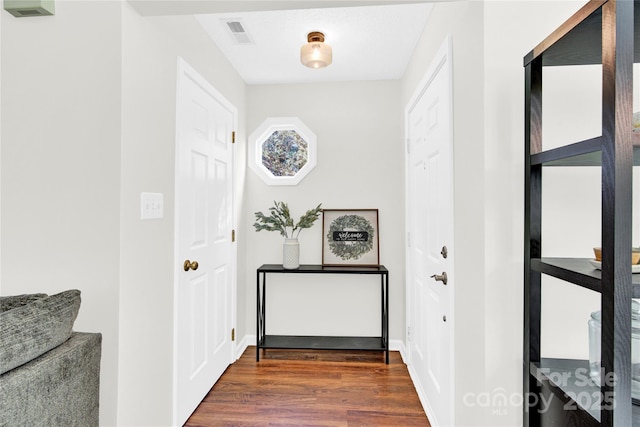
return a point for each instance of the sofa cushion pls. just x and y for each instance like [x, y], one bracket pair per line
[61, 388]
[7, 303]
[36, 327]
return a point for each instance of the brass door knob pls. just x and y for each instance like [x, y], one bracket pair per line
[190, 265]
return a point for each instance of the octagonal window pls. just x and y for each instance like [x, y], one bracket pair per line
[282, 151]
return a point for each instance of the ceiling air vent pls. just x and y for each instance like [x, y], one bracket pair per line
[24, 8]
[238, 33]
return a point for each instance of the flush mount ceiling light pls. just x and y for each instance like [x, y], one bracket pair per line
[316, 53]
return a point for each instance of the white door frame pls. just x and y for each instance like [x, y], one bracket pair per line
[183, 69]
[443, 58]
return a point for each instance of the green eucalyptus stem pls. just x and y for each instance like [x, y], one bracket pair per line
[279, 219]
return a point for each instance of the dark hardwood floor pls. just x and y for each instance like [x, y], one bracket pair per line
[312, 388]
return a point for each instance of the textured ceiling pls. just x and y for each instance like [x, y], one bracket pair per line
[369, 43]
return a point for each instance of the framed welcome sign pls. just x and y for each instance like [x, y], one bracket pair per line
[350, 237]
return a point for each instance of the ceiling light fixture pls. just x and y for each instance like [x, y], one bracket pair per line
[316, 53]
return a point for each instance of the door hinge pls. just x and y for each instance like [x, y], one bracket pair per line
[233, 334]
[233, 137]
[233, 236]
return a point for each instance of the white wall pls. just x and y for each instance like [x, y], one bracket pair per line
[360, 165]
[513, 29]
[61, 165]
[489, 138]
[462, 21]
[88, 106]
[571, 205]
[88, 109]
[0, 156]
[149, 70]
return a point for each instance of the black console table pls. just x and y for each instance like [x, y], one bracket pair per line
[265, 341]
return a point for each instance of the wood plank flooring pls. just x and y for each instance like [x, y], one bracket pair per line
[312, 388]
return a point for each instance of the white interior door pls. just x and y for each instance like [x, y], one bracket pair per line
[204, 220]
[430, 245]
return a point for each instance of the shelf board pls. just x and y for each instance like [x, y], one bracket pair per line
[583, 153]
[578, 271]
[569, 380]
[579, 40]
[323, 342]
[323, 269]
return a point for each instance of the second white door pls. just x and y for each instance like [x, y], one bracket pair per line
[430, 246]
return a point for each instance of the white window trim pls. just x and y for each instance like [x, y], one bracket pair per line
[263, 132]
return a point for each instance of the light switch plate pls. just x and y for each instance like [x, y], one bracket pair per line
[151, 206]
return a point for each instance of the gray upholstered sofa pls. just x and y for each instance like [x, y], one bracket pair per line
[49, 374]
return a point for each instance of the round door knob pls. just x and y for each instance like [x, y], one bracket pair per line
[190, 265]
[444, 318]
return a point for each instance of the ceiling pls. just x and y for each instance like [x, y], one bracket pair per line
[371, 39]
[369, 43]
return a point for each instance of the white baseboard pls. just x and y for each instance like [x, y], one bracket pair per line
[242, 345]
[397, 345]
[421, 394]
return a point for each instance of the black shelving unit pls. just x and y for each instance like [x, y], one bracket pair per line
[601, 32]
[265, 341]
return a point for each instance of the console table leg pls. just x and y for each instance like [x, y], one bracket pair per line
[258, 317]
[386, 314]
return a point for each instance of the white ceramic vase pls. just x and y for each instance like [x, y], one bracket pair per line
[291, 254]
